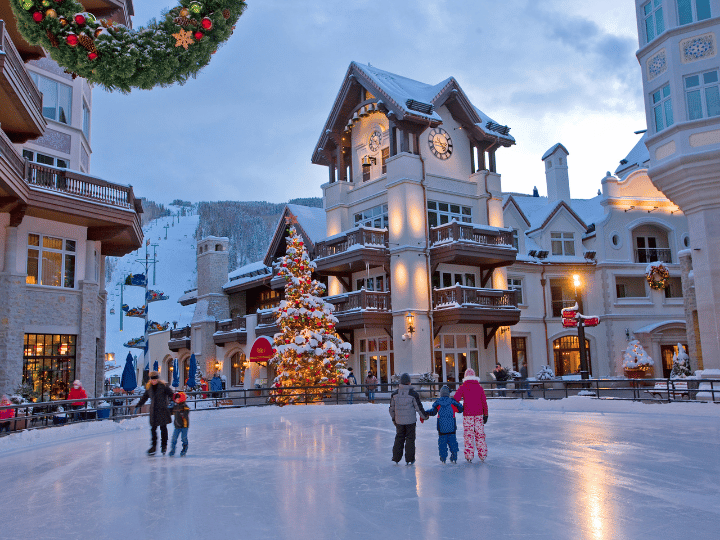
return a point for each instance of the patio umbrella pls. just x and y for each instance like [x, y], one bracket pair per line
[193, 372]
[146, 373]
[128, 381]
[155, 365]
[176, 374]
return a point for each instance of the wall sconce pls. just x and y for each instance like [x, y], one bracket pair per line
[218, 366]
[629, 208]
[367, 161]
[410, 324]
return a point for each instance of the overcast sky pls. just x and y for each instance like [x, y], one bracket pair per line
[552, 70]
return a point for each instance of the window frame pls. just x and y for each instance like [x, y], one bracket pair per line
[566, 242]
[446, 212]
[701, 88]
[661, 103]
[63, 92]
[516, 284]
[67, 264]
[692, 8]
[369, 217]
[656, 18]
[53, 161]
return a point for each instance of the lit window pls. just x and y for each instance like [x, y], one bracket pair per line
[693, 10]
[701, 95]
[57, 98]
[654, 21]
[515, 284]
[563, 243]
[376, 217]
[50, 261]
[662, 108]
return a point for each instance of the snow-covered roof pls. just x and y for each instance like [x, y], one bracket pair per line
[638, 158]
[311, 219]
[537, 209]
[246, 274]
[551, 151]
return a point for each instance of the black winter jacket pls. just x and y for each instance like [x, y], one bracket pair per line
[158, 395]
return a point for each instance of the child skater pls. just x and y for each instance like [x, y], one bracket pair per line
[182, 423]
[445, 407]
[475, 415]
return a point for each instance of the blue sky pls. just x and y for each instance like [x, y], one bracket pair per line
[554, 71]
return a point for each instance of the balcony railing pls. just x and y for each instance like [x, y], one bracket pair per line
[459, 296]
[454, 231]
[79, 185]
[267, 318]
[10, 155]
[18, 66]
[180, 333]
[231, 325]
[358, 237]
[648, 255]
[361, 300]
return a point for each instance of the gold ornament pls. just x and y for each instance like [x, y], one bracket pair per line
[184, 12]
[63, 21]
[183, 39]
[51, 13]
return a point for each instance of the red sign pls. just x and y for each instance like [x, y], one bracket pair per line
[262, 350]
[591, 321]
[569, 323]
[569, 313]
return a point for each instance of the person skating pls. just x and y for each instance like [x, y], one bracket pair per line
[445, 408]
[371, 382]
[182, 423]
[158, 392]
[404, 404]
[475, 415]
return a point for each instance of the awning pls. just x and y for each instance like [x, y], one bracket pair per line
[262, 349]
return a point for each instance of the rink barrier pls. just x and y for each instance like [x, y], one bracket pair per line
[46, 414]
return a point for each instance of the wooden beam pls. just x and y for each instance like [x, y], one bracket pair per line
[489, 336]
[485, 275]
[17, 214]
[103, 233]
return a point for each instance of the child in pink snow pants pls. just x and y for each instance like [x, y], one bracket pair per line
[475, 415]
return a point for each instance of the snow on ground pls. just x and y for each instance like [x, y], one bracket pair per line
[575, 468]
[175, 273]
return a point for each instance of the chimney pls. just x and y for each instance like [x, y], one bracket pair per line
[556, 173]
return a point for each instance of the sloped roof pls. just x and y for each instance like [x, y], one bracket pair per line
[309, 222]
[638, 158]
[552, 150]
[538, 211]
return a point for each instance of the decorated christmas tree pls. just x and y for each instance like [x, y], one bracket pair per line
[635, 356]
[309, 353]
[681, 364]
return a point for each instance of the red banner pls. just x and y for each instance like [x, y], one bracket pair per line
[262, 350]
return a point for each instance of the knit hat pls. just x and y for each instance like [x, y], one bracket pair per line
[469, 372]
[154, 375]
[180, 396]
[445, 391]
[77, 383]
[405, 378]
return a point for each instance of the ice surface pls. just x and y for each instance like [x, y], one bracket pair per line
[576, 468]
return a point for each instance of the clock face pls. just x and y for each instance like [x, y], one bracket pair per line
[374, 140]
[440, 143]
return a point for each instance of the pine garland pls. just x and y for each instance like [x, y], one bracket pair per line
[122, 59]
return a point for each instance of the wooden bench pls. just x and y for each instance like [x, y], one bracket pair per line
[678, 390]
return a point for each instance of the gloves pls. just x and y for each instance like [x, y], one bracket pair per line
[422, 420]
[485, 417]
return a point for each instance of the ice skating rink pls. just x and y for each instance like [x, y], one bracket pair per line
[573, 469]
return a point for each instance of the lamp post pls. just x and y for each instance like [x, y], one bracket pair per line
[581, 331]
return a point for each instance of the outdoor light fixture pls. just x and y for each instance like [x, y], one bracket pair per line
[410, 323]
[542, 254]
[629, 208]
[218, 366]
[367, 161]
[576, 281]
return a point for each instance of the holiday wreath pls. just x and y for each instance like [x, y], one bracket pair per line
[112, 55]
[657, 275]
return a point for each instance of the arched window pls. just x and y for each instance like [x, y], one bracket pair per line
[567, 355]
[237, 369]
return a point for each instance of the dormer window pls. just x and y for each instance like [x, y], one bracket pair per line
[654, 20]
[563, 243]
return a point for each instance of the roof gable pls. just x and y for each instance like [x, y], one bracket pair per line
[304, 218]
[510, 204]
[560, 206]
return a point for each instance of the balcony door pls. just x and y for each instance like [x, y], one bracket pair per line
[454, 353]
[376, 355]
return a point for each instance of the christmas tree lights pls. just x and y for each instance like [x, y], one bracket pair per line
[309, 354]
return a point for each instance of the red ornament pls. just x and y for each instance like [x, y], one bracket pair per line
[92, 55]
[198, 35]
[206, 23]
[80, 19]
[72, 40]
[37, 16]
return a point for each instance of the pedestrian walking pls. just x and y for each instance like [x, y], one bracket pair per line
[475, 415]
[351, 381]
[404, 405]
[158, 392]
[445, 408]
[501, 376]
[371, 385]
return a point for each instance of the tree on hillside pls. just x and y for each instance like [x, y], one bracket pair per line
[308, 351]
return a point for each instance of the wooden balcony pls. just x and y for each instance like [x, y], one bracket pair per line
[362, 309]
[21, 111]
[13, 188]
[351, 252]
[109, 211]
[267, 323]
[469, 305]
[467, 244]
[230, 331]
[179, 339]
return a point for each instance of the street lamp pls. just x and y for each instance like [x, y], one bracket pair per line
[577, 284]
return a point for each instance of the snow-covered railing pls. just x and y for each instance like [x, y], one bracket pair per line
[357, 237]
[267, 318]
[14, 60]
[361, 299]
[454, 231]
[180, 333]
[231, 325]
[459, 295]
[79, 185]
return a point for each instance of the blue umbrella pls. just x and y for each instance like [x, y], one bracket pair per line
[155, 366]
[193, 372]
[128, 381]
[146, 373]
[176, 374]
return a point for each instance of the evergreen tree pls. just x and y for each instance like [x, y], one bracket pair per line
[308, 351]
[681, 364]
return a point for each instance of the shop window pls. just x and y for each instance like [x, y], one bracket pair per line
[49, 365]
[453, 354]
[567, 355]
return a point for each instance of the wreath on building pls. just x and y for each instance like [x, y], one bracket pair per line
[160, 54]
[657, 275]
